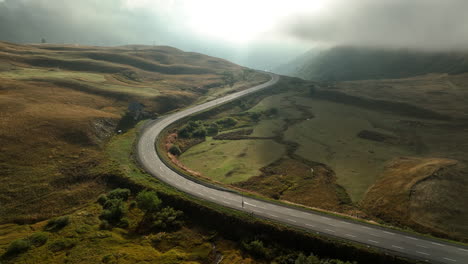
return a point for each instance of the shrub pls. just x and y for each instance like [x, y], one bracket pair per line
[213, 129]
[114, 211]
[62, 244]
[199, 132]
[302, 259]
[18, 246]
[119, 193]
[255, 116]
[148, 201]
[167, 218]
[184, 132]
[38, 239]
[124, 223]
[57, 223]
[256, 248]
[102, 199]
[227, 122]
[175, 150]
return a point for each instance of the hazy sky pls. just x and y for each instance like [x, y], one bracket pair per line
[257, 33]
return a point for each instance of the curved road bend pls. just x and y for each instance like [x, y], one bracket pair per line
[399, 243]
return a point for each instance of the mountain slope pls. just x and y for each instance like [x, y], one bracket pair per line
[352, 63]
[59, 105]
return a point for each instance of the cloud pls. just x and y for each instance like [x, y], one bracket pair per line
[423, 24]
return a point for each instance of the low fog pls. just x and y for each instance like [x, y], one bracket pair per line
[259, 34]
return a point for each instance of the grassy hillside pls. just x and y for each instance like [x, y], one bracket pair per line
[382, 150]
[59, 105]
[353, 63]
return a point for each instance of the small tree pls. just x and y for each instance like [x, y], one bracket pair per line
[167, 218]
[184, 132]
[199, 132]
[175, 150]
[43, 40]
[119, 193]
[114, 211]
[148, 201]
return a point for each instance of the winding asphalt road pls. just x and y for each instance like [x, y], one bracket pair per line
[394, 242]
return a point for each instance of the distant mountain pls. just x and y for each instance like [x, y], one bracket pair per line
[353, 63]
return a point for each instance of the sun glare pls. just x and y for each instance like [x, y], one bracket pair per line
[241, 21]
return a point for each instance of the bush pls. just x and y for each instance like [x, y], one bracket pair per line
[62, 244]
[38, 239]
[18, 246]
[114, 211]
[255, 116]
[213, 129]
[302, 259]
[199, 132]
[257, 249]
[175, 150]
[102, 199]
[184, 132]
[167, 218]
[119, 193]
[148, 201]
[124, 223]
[57, 223]
[227, 122]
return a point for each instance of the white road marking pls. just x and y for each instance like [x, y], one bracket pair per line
[211, 197]
[310, 225]
[350, 235]
[390, 233]
[421, 246]
[449, 259]
[366, 227]
[466, 250]
[329, 230]
[434, 243]
[397, 247]
[423, 253]
[373, 241]
[272, 215]
[411, 238]
[332, 225]
[291, 220]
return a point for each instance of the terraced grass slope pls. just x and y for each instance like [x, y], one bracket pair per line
[59, 105]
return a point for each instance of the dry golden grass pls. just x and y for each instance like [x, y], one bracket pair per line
[442, 93]
[60, 104]
[424, 193]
